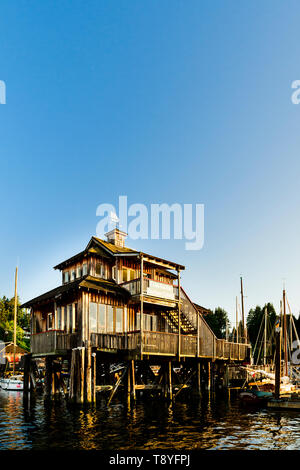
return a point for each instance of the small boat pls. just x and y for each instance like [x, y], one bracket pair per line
[285, 403]
[256, 393]
[14, 382]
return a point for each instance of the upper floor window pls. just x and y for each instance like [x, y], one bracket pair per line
[93, 317]
[128, 274]
[69, 322]
[73, 275]
[50, 321]
[100, 270]
[78, 271]
[59, 318]
[84, 269]
[66, 277]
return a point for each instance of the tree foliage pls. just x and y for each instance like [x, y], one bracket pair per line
[7, 322]
[218, 320]
[255, 317]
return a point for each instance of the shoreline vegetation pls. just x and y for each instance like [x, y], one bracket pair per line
[7, 322]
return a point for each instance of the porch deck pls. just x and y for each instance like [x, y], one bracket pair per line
[154, 343]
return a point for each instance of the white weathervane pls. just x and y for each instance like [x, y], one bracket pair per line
[114, 219]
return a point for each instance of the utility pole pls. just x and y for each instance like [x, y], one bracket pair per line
[243, 314]
[15, 319]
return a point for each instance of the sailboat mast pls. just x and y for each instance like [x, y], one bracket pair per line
[15, 318]
[277, 357]
[243, 316]
[265, 338]
[237, 319]
[285, 334]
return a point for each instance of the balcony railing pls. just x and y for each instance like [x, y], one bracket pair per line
[152, 288]
[160, 343]
[53, 341]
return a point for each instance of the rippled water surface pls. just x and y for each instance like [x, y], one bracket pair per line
[216, 423]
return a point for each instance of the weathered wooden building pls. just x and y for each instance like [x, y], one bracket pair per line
[123, 305]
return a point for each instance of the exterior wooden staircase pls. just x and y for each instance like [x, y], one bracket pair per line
[188, 316]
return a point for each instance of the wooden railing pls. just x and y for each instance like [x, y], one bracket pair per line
[160, 343]
[154, 343]
[118, 341]
[229, 350]
[53, 341]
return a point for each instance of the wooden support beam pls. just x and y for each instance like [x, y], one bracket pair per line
[72, 376]
[133, 394]
[183, 385]
[32, 380]
[128, 384]
[81, 374]
[170, 389]
[27, 360]
[148, 387]
[94, 375]
[213, 375]
[198, 368]
[48, 376]
[209, 375]
[120, 379]
[88, 373]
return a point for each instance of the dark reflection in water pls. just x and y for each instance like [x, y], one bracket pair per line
[190, 425]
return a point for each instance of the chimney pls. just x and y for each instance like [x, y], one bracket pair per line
[116, 237]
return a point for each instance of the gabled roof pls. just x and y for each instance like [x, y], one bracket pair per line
[9, 349]
[125, 251]
[93, 249]
[105, 249]
[87, 282]
[114, 249]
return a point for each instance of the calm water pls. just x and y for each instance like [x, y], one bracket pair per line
[216, 424]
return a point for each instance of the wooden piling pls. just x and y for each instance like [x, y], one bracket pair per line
[48, 376]
[27, 360]
[133, 393]
[81, 375]
[94, 374]
[128, 384]
[209, 375]
[72, 376]
[170, 387]
[89, 374]
[213, 375]
[198, 383]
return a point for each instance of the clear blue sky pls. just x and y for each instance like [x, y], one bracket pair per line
[164, 101]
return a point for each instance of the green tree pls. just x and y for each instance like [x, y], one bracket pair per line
[217, 321]
[7, 322]
[254, 322]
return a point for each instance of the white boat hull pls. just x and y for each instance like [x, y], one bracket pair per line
[11, 384]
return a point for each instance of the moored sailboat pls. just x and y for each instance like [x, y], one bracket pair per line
[13, 382]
